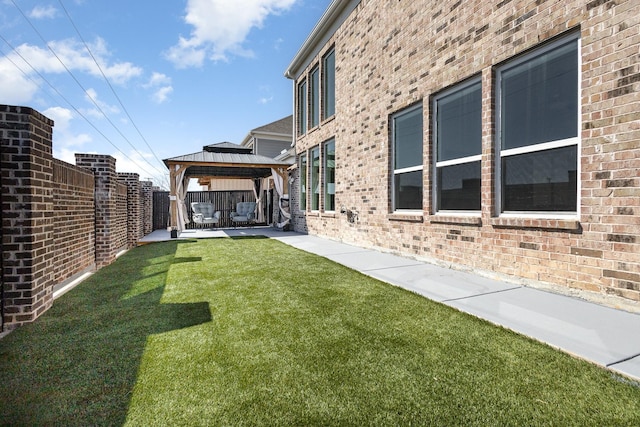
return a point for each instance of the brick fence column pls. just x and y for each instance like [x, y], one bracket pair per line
[134, 220]
[26, 167]
[104, 170]
[146, 201]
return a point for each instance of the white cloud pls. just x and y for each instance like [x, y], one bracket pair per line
[61, 116]
[220, 28]
[162, 94]
[17, 88]
[136, 162]
[158, 79]
[18, 69]
[43, 12]
[161, 84]
[92, 97]
[65, 142]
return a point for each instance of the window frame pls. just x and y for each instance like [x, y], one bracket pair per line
[302, 97]
[328, 82]
[314, 97]
[325, 173]
[395, 172]
[457, 161]
[303, 190]
[313, 185]
[539, 147]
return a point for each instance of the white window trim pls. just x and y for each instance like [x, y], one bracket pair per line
[459, 161]
[540, 147]
[408, 169]
[577, 141]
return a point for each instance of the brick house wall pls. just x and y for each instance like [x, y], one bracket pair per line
[391, 55]
[74, 220]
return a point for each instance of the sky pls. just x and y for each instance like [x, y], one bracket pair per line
[143, 80]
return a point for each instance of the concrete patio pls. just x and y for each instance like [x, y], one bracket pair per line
[605, 336]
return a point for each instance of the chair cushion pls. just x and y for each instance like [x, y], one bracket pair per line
[206, 210]
[244, 211]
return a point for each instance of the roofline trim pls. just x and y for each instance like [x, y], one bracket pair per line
[321, 29]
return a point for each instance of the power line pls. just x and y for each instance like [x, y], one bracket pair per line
[108, 82]
[83, 88]
[65, 99]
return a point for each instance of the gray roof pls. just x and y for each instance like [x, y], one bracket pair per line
[226, 147]
[238, 165]
[283, 126]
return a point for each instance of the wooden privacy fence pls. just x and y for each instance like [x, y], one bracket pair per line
[223, 201]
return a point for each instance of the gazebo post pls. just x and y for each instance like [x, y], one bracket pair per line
[174, 172]
[173, 199]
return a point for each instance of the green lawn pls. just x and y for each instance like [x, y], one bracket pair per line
[254, 332]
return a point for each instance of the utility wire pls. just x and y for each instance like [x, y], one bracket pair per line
[82, 87]
[65, 99]
[108, 82]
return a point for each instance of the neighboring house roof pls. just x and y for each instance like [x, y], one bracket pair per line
[283, 127]
[329, 22]
[280, 129]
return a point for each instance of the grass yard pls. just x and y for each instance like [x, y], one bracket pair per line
[254, 332]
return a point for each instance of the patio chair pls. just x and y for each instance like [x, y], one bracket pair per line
[204, 214]
[245, 212]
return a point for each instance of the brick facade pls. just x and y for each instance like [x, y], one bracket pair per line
[391, 55]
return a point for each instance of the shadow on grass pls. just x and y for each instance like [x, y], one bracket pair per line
[77, 364]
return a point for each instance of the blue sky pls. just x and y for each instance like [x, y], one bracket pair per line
[172, 76]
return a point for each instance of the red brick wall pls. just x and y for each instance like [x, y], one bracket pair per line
[74, 220]
[391, 54]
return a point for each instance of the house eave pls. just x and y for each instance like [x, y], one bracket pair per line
[324, 27]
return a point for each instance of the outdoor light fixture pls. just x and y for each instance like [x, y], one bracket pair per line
[352, 214]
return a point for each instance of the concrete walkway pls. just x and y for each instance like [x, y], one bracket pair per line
[602, 335]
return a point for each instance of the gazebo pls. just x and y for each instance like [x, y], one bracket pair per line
[224, 160]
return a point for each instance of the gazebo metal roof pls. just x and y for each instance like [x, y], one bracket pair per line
[226, 160]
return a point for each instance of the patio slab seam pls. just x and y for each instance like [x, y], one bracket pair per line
[626, 359]
[390, 267]
[481, 294]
